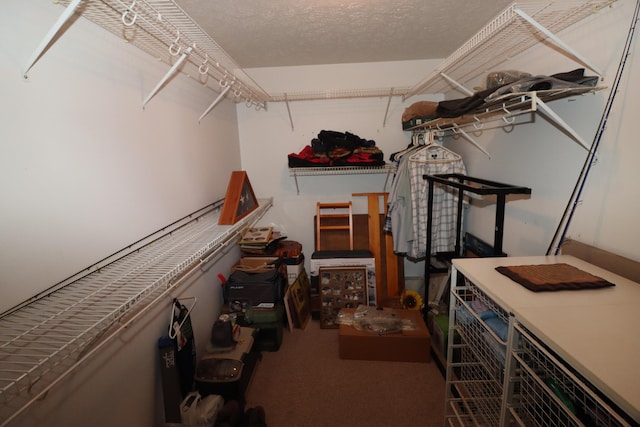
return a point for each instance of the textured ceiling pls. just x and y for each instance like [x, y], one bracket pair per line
[273, 33]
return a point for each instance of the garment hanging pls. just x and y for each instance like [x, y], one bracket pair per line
[399, 213]
[399, 219]
[408, 200]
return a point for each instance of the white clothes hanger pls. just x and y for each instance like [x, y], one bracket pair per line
[420, 157]
[174, 327]
[417, 140]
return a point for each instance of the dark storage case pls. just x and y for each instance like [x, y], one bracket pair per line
[269, 324]
[250, 289]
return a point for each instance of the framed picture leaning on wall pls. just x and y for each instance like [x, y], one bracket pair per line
[239, 201]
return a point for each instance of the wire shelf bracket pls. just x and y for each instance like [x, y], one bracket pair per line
[214, 103]
[558, 120]
[55, 29]
[166, 77]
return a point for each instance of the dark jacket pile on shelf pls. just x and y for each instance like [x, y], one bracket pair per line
[332, 148]
[496, 88]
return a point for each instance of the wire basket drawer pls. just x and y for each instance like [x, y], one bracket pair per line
[488, 346]
[551, 394]
[478, 362]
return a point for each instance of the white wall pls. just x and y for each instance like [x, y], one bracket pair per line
[85, 171]
[536, 155]
[266, 138]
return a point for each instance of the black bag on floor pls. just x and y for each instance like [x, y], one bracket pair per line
[250, 289]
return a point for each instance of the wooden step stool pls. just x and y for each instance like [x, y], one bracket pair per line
[342, 212]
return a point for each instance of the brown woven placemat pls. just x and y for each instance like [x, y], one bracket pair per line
[552, 277]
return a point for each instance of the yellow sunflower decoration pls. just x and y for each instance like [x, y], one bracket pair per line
[411, 300]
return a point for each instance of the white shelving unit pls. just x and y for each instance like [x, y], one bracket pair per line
[503, 112]
[47, 338]
[341, 170]
[552, 361]
[162, 29]
[520, 26]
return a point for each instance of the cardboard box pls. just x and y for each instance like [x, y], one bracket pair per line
[255, 264]
[407, 346]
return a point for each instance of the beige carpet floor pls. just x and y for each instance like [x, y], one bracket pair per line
[306, 384]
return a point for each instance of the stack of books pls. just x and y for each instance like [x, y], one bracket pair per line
[260, 240]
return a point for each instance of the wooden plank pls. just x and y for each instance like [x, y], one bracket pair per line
[374, 239]
[615, 263]
[395, 283]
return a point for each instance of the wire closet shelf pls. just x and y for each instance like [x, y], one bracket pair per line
[47, 338]
[520, 26]
[162, 29]
[503, 110]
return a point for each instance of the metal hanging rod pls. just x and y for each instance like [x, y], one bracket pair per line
[338, 94]
[388, 93]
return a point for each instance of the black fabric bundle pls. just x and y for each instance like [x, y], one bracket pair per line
[458, 107]
[333, 148]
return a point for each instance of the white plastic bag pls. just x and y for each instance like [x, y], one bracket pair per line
[196, 410]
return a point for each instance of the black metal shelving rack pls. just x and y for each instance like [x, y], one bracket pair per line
[473, 185]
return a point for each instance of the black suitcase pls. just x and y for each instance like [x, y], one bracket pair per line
[250, 289]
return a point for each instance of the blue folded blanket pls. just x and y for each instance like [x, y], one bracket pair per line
[482, 310]
[490, 318]
[498, 326]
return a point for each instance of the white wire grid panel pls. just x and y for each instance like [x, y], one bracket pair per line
[474, 398]
[506, 36]
[550, 394]
[488, 348]
[46, 339]
[475, 391]
[341, 170]
[162, 29]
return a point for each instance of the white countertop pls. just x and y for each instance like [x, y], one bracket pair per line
[597, 331]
